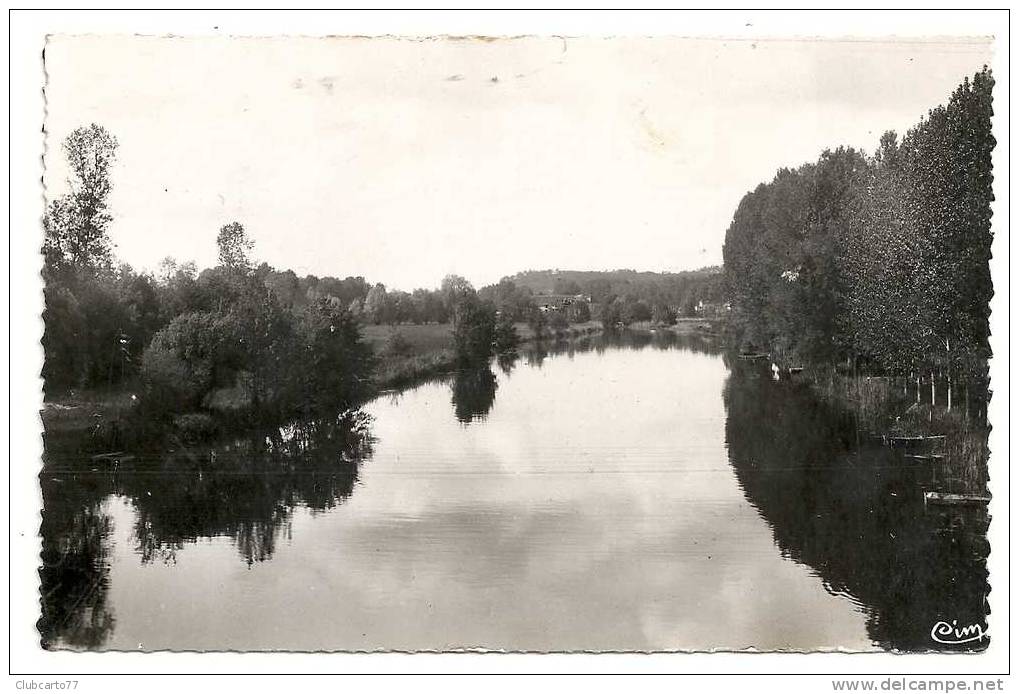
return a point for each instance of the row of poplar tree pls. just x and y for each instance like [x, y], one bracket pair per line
[880, 262]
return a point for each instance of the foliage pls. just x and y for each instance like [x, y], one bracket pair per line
[681, 292]
[234, 246]
[639, 311]
[506, 338]
[397, 345]
[473, 393]
[76, 223]
[376, 305]
[537, 321]
[190, 356]
[558, 321]
[333, 375]
[64, 326]
[578, 312]
[613, 314]
[473, 329]
[455, 290]
[663, 314]
[509, 299]
[879, 260]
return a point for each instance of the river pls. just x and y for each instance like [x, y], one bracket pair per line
[634, 493]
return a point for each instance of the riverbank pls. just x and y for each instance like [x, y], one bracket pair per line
[420, 352]
[706, 327]
[950, 439]
[409, 354]
[79, 410]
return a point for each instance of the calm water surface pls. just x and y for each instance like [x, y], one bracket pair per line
[633, 494]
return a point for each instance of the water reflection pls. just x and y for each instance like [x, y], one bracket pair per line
[703, 509]
[75, 563]
[473, 393]
[854, 514]
[474, 389]
[535, 353]
[244, 489]
[507, 361]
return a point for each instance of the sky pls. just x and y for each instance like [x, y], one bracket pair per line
[403, 160]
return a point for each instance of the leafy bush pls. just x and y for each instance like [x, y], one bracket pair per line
[180, 366]
[557, 321]
[506, 337]
[579, 312]
[195, 426]
[397, 345]
[329, 365]
[64, 323]
[473, 330]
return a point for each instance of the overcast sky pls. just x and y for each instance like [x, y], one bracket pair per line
[405, 160]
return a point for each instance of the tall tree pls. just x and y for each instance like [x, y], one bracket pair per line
[474, 324]
[76, 223]
[376, 304]
[234, 246]
[454, 290]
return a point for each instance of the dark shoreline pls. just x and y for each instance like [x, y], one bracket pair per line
[952, 444]
[876, 404]
[72, 415]
[76, 410]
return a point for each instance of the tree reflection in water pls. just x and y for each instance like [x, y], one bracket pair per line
[536, 352]
[473, 393]
[474, 389]
[855, 515]
[850, 511]
[507, 361]
[244, 489]
[75, 558]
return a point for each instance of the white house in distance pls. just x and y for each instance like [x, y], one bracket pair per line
[711, 309]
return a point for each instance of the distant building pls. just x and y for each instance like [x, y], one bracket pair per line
[711, 309]
[558, 302]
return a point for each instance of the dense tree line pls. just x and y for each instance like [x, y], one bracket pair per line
[188, 335]
[628, 296]
[881, 260]
[242, 333]
[250, 329]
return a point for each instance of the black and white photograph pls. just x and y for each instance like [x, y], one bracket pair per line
[518, 342]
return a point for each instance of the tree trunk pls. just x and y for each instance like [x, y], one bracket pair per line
[949, 375]
[933, 394]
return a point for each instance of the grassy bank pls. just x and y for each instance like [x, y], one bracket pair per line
[574, 330]
[77, 410]
[682, 326]
[889, 408]
[409, 354]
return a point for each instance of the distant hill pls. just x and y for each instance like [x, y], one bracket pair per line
[550, 281]
[678, 289]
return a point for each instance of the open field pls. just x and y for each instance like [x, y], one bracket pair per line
[431, 337]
